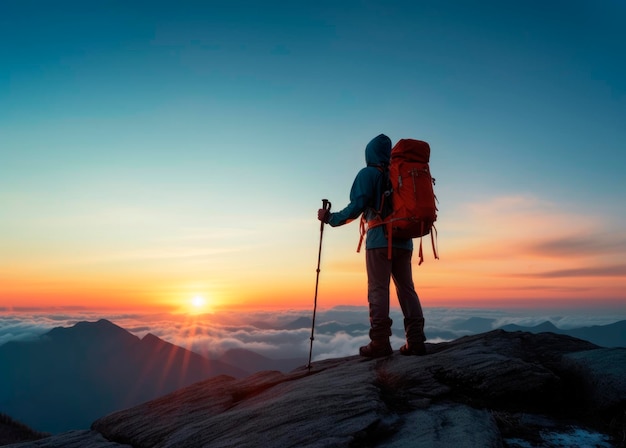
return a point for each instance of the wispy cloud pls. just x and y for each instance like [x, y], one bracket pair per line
[578, 245]
[594, 271]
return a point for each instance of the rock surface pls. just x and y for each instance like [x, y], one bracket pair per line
[496, 389]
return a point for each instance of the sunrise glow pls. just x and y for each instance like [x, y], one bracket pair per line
[197, 304]
[189, 182]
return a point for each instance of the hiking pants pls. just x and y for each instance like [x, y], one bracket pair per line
[380, 270]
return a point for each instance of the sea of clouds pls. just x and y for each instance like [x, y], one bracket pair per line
[286, 334]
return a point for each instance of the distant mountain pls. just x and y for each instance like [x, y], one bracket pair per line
[336, 327]
[300, 322]
[261, 325]
[544, 327]
[474, 325]
[93, 368]
[612, 335]
[321, 327]
[253, 362]
[296, 324]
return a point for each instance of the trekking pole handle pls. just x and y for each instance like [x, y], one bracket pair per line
[326, 206]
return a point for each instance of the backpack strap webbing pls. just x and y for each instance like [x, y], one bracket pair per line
[433, 239]
[363, 231]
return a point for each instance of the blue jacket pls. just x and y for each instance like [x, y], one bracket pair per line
[366, 193]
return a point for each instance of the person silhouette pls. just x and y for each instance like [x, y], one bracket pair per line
[365, 198]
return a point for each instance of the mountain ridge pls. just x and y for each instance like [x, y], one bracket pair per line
[493, 389]
[96, 368]
[610, 335]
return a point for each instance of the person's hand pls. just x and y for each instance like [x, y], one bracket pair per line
[323, 215]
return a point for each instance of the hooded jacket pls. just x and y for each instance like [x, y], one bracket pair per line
[366, 193]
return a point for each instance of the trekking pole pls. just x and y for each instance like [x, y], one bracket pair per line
[326, 206]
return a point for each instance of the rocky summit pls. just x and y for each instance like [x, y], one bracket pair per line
[496, 389]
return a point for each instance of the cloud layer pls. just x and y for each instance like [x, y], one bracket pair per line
[338, 331]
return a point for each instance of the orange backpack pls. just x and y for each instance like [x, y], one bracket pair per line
[409, 186]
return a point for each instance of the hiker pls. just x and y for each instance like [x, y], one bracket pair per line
[365, 198]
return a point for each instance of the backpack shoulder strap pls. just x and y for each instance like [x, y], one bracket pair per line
[379, 220]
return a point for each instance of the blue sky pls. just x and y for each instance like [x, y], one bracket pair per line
[187, 144]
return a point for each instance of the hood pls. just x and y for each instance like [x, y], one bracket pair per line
[378, 151]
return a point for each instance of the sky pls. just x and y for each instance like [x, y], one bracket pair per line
[156, 152]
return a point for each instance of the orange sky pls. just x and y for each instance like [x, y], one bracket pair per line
[523, 257]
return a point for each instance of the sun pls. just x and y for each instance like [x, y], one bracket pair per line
[198, 302]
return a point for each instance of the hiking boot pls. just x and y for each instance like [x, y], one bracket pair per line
[376, 349]
[414, 330]
[417, 349]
